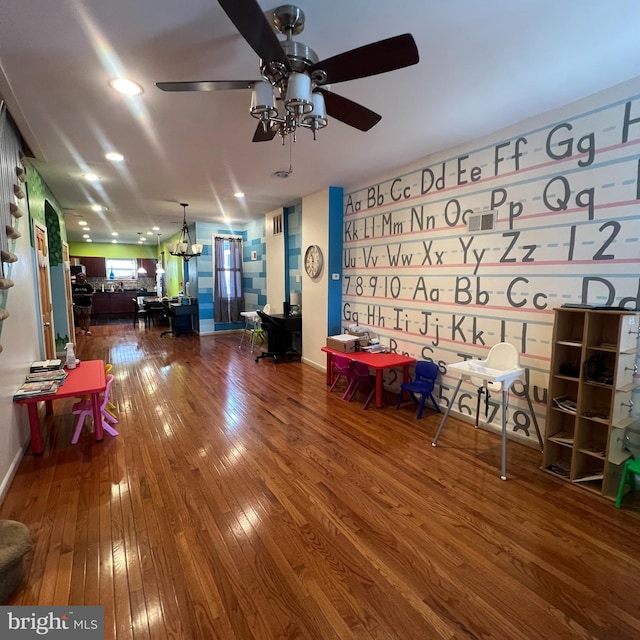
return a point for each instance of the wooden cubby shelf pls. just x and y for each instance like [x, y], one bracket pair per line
[593, 367]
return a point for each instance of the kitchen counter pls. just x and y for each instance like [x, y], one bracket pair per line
[115, 303]
[133, 292]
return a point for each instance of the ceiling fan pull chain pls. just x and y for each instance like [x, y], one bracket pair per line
[290, 157]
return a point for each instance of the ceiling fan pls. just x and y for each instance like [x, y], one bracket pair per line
[293, 75]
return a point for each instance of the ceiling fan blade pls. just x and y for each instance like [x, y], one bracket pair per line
[253, 26]
[263, 136]
[349, 112]
[370, 60]
[206, 85]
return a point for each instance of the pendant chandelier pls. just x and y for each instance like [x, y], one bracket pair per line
[184, 248]
[159, 267]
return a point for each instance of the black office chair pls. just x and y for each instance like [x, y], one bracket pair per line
[278, 338]
[169, 311]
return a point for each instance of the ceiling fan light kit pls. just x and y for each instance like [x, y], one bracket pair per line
[184, 248]
[263, 104]
[302, 107]
[292, 74]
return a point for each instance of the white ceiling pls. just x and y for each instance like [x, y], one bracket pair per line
[483, 65]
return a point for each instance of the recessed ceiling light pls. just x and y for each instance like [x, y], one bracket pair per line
[89, 240]
[156, 228]
[143, 239]
[81, 223]
[91, 177]
[96, 207]
[86, 235]
[239, 194]
[86, 229]
[114, 233]
[128, 87]
[149, 233]
[114, 156]
[114, 242]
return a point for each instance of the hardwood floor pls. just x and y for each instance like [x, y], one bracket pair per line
[243, 501]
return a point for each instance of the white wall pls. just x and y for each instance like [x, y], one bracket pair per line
[20, 342]
[275, 263]
[315, 225]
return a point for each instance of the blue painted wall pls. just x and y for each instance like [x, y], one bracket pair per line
[293, 249]
[200, 271]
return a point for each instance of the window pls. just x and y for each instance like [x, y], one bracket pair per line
[277, 224]
[119, 269]
[228, 296]
[229, 270]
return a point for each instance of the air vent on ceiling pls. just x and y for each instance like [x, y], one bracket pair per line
[484, 221]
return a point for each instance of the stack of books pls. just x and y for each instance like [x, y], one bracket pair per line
[41, 383]
[45, 376]
[45, 365]
[32, 389]
[566, 403]
[374, 348]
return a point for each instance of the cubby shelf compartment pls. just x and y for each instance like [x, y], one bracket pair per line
[568, 378]
[608, 348]
[593, 365]
[559, 460]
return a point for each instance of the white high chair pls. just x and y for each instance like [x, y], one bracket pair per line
[502, 357]
[253, 325]
[258, 332]
[498, 371]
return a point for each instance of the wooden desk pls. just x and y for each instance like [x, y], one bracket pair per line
[377, 361]
[280, 330]
[181, 317]
[88, 378]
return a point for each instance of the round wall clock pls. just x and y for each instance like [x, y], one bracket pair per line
[313, 260]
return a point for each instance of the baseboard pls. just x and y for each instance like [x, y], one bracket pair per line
[316, 365]
[13, 468]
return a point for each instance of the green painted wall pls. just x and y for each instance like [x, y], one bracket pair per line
[38, 193]
[173, 266]
[108, 250]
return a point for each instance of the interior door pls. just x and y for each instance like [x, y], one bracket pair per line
[44, 289]
[67, 288]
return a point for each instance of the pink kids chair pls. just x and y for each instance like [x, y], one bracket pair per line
[83, 409]
[341, 366]
[360, 375]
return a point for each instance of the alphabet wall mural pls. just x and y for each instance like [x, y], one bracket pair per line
[479, 245]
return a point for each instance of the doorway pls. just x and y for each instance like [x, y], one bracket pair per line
[44, 289]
